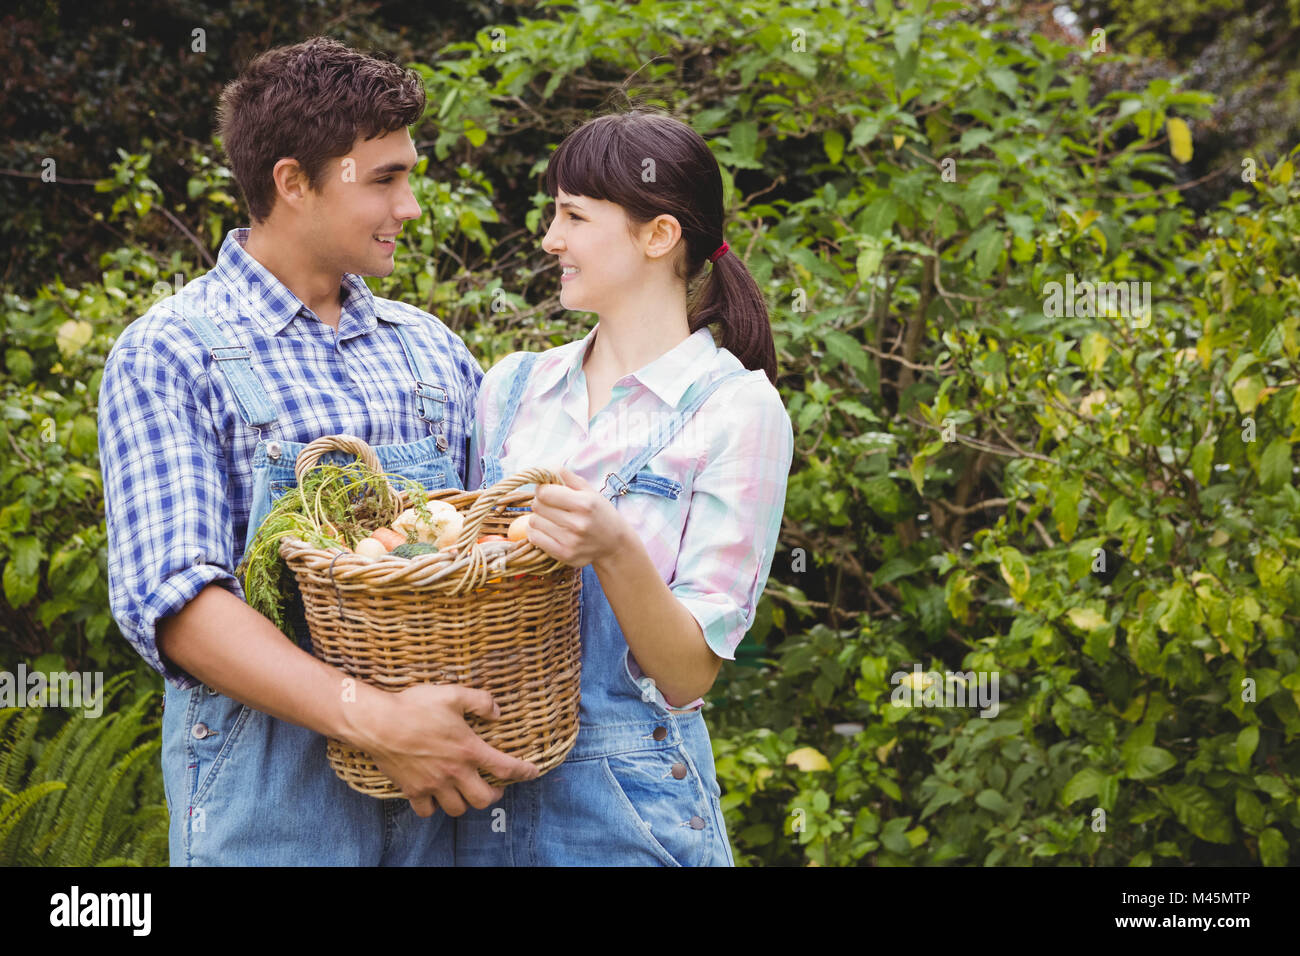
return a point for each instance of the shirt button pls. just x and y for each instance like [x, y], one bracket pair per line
[200, 731]
[660, 733]
[697, 823]
[679, 771]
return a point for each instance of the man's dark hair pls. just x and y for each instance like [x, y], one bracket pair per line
[309, 101]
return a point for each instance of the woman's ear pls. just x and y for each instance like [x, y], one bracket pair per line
[664, 231]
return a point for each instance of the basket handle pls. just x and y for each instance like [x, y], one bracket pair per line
[310, 456]
[486, 501]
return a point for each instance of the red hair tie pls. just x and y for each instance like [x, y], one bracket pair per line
[722, 251]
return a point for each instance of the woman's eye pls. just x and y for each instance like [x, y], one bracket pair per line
[386, 179]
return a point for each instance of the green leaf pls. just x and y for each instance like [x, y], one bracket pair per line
[1203, 460]
[1273, 848]
[906, 35]
[847, 350]
[21, 577]
[1150, 762]
[1086, 783]
[994, 801]
[1015, 571]
[893, 835]
[1275, 465]
[833, 143]
[1247, 741]
[1249, 810]
[1198, 811]
[1065, 508]
[878, 217]
[883, 496]
[1246, 391]
[20, 365]
[871, 253]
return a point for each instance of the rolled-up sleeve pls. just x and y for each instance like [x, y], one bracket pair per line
[737, 500]
[166, 502]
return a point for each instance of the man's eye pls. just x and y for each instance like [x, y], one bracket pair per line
[386, 179]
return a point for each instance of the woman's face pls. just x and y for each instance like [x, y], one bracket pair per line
[601, 263]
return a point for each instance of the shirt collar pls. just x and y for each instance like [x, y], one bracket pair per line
[272, 306]
[668, 376]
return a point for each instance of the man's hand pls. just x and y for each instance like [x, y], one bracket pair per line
[419, 738]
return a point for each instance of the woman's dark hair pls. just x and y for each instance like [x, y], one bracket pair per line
[652, 164]
[309, 101]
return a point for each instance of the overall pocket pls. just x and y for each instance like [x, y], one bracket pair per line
[216, 727]
[664, 804]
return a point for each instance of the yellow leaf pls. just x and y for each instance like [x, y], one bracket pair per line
[1180, 140]
[808, 759]
[761, 775]
[882, 752]
[898, 140]
[72, 336]
[1086, 618]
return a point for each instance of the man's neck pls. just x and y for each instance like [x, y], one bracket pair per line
[320, 290]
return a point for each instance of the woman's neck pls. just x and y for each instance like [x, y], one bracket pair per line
[622, 346]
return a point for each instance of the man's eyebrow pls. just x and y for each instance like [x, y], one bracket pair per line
[389, 168]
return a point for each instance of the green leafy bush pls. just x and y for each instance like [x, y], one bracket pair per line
[91, 795]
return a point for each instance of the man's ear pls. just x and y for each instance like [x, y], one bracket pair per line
[291, 185]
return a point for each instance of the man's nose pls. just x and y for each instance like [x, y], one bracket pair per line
[409, 209]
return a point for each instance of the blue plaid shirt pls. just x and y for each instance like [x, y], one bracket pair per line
[177, 457]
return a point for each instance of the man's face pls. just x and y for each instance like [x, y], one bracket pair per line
[360, 204]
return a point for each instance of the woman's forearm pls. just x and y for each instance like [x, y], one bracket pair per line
[665, 638]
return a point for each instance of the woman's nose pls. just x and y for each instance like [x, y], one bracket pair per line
[549, 242]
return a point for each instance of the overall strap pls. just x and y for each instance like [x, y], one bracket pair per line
[616, 483]
[429, 397]
[513, 398]
[236, 361]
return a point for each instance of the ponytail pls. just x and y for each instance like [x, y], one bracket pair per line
[730, 298]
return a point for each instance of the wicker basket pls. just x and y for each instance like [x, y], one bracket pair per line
[500, 618]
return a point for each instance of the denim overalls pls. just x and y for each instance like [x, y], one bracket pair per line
[639, 786]
[245, 788]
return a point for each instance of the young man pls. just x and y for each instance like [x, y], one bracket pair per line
[205, 404]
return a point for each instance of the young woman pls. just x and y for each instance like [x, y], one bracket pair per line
[674, 448]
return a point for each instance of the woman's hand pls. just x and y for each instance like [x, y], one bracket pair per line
[575, 523]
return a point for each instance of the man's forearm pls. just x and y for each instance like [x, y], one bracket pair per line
[236, 651]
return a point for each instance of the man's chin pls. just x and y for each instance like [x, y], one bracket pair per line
[378, 270]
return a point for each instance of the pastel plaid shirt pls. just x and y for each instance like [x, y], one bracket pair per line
[713, 546]
[177, 457]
